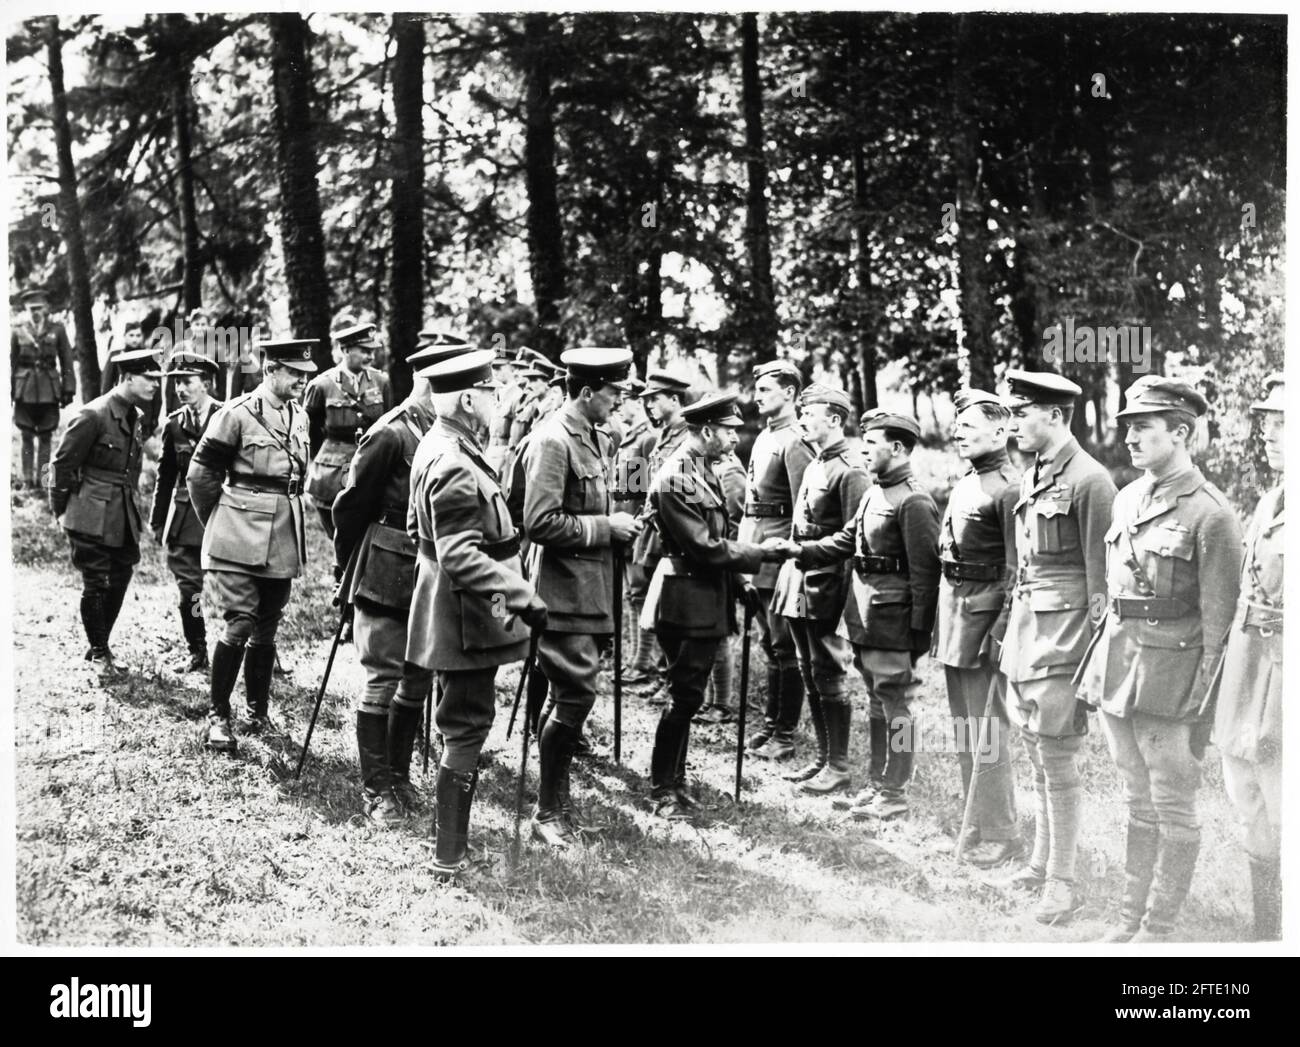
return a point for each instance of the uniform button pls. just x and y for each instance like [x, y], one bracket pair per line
[1133, 530]
[1182, 643]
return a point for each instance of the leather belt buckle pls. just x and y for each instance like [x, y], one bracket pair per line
[293, 487]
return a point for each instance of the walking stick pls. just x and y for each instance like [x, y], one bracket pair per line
[969, 812]
[618, 653]
[340, 599]
[523, 756]
[744, 696]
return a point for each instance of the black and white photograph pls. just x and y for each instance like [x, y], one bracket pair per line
[733, 480]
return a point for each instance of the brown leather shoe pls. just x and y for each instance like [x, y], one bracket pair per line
[1057, 904]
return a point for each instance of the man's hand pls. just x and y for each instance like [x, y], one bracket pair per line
[66, 399]
[1200, 737]
[751, 599]
[338, 572]
[624, 526]
[534, 615]
[776, 550]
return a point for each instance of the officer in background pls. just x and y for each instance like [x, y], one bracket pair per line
[42, 379]
[173, 521]
[977, 551]
[664, 396]
[1173, 554]
[691, 600]
[812, 602]
[1248, 716]
[246, 481]
[342, 403]
[534, 376]
[1062, 517]
[572, 529]
[472, 608]
[509, 390]
[893, 542]
[95, 475]
[370, 525]
[776, 465]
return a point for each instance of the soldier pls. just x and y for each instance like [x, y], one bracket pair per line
[664, 396]
[977, 551]
[1248, 716]
[254, 544]
[96, 471]
[893, 541]
[133, 339]
[472, 606]
[1173, 554]
[1062, 517]
[535, 377]
[341, 404]
[42, 379]
[692, 594]
[173, 520]
[812, 601]
[509, 390]
[776, 465]
[370, 524]
[572, 529]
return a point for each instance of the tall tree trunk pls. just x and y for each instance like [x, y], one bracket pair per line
[70, 221]
[975, 351]
[867, 314]
[758, 241]
[182, 122]
[545, 242]
[300, 217]
[406, 310]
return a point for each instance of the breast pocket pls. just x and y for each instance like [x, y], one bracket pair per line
[1054, 529]
[1169, 550]
[588, 494]
[108, 452]
[340, 414]
[263, 454]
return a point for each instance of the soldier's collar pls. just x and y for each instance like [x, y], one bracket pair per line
[1177, 485]
[987, 463]
[782, 421]
[834, 449]
[263, 392]
[897, 475]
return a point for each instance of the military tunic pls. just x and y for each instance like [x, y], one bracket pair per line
[645, 550]
[172, 515]
[370, 523]
[42, 375]
[1248, 690]
[338, 404]
[1062, 516]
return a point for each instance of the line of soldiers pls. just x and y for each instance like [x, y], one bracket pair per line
[1044, 595]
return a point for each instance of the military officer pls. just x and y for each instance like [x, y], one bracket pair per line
[812, 601]
[691, 600]
[535, 377]
[893, 542]
[472, 607]
[342, 403]
[1062, 516]
[1173, 554]
[132, 339]
[42, 378]
[375, 560]
[977, 551]
[1248, 714]
[95, 475]
[246, 480]
[173, 520]
[664, 396]
[509, 390]
[776, 466]
[572, 529]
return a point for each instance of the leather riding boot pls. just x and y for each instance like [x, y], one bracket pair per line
[1139, 867]
[402, 728]
[898, 762]
[878, 747]
[382, 807]
[666, 755]
[1266, 890]
[791, 699]
[770, 710]
[816, 712]
[113, 600]
[679, 768]
[455, 793]
[555, 753]
[226, 660]
[259, 661]
[1175, 864]
[196, 638]
[538, 686]
[92, 620]
[834, 776]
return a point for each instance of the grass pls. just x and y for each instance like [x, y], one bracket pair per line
[129, 833]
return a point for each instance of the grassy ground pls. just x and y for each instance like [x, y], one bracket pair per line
[129, 833]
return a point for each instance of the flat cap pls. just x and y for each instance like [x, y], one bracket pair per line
[831, 397]
[290, 352]
[433, 336]
[427, 355]
[139, 361]
[34, 296]
[185, 363]
[713, 409]
[881, 419]
[664, 382]
[471, 370]
[635, 386]
[608, 366]
[1152, 393]
[1274, 394]
[779, 369]
[359, 336]
[973, 397]
[1039, 387]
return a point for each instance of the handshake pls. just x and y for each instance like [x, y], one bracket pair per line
[777, 549]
